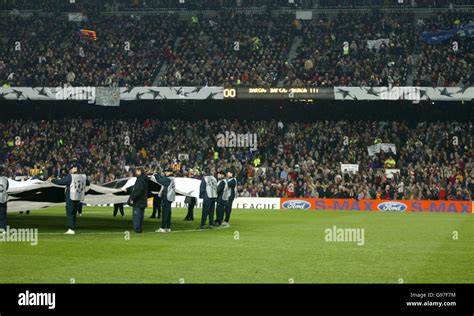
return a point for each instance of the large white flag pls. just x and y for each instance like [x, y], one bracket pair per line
[36, 194]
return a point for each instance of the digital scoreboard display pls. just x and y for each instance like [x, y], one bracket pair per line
[240, 93]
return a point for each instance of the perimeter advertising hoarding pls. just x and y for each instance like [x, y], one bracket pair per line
[239, 203]
[378, 205]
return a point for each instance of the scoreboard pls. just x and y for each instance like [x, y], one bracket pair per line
[306, 93]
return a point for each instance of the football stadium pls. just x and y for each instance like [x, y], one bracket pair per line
[237, 142]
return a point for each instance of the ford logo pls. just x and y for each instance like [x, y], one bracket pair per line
[392, 207]
[296, 205]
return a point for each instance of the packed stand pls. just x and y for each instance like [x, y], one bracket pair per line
[49, 51]
[123, 5]
[322, 59]
[230, 49]
[446, 64]
[436, 160]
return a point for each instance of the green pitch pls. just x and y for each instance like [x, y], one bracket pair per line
[260, 247]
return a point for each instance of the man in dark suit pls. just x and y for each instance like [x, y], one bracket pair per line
[138, 199]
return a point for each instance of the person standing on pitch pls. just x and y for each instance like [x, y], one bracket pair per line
[222, 197]
[232, 193]
[208, 192]
[191, 201]
[156, 206]
[118, 207]
[138, 200]
[167, 197]
[3, 201]
[75, 193]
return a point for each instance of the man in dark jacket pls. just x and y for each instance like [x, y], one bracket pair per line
[75, 193]
[232, 188]
[138, 199]
[167, 197]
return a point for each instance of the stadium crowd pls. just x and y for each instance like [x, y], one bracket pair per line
[435, 160]
[445, 64]
[123, 5]
[322, 61]
[232, 49]
[51, 53]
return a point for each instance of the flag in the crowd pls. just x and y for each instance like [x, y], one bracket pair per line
[444, 35]
[89, 33]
